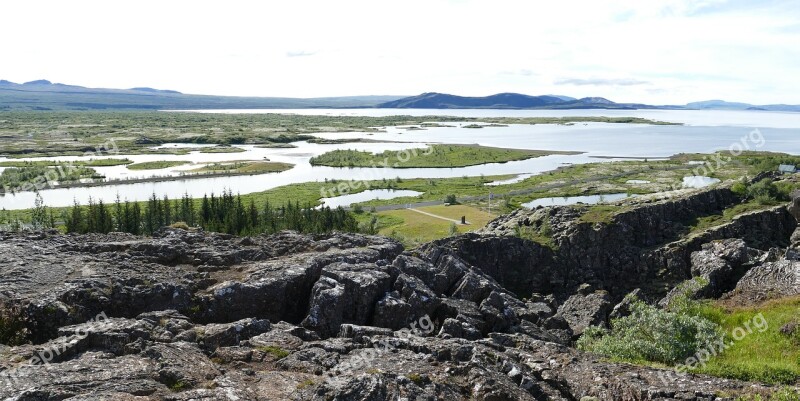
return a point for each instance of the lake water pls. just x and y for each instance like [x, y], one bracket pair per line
[697, 181]
[705, 132]
[572, 200]
[518, 178]
[730, 118]
[372, 194]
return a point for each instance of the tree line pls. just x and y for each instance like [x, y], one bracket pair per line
[226, 213]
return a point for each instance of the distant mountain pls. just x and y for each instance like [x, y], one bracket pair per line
[723, 105]
[145, 89]
[45, 95]
[564, 98]
[433, 100]
[718, 105]
[39, 82]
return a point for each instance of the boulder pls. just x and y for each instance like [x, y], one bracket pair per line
[715, 264]
[585, 309]
[714, 269]
[794, 205]
[623, 308]
[227, 334]
[767, 281]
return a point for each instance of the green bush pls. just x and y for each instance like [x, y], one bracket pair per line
[785, 394]
[651, 334]
[684, 301]
[180, 225]
[764, 191]
[740, 189]
[12, 328]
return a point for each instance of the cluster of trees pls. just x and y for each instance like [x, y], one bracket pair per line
[768, 161]
[226, 213]
[765, 192]
[30, 177]
[343, 158]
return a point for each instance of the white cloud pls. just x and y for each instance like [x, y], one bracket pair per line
[684, 50]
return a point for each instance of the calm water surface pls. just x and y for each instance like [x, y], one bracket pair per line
[704, 132]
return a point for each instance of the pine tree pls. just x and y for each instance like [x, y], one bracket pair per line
[74, 221]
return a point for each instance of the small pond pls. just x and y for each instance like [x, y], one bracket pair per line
[347, 200]
[698, 181]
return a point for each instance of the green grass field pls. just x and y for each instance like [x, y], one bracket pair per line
[727, 215]
[49, 163]
[222, 149]
[156, 165]
[413, 228]
[769, 356]
[241, 167]
[444, 156]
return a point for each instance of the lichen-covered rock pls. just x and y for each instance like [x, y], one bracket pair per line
[768, 281]
[584, 309]
[228, 334]
[715, 270]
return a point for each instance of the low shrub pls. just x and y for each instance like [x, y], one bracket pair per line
[651, 334]
[180, 225]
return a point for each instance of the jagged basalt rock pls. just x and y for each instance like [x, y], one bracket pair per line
[584, 309]
[767, 281]
[643, 246]
[191, 315]
[794, 205]
[716, 269]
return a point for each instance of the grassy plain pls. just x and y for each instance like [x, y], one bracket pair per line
[242, 167]
[442, 156]
[769, 355]
[53, 163]
[155, 165]
[221, 149]
[414, 228]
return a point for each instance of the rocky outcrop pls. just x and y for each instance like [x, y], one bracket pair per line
[794, 205]
[767, 281]
[716, 269]
[151, 356]
[518, 265]
[643, 246]
[189, 315]
[584, 309]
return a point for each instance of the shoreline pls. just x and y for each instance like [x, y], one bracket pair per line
[145, 180]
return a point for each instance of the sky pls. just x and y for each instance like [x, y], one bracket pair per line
[653, 51]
